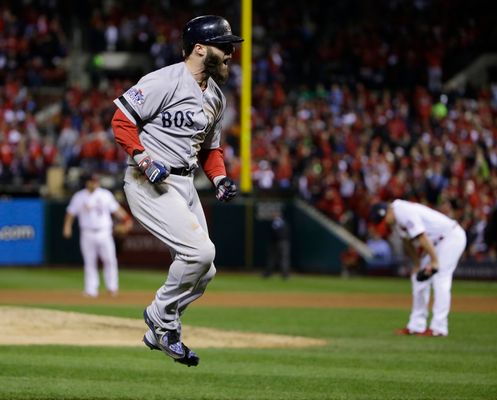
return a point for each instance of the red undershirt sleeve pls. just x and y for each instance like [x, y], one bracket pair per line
[212, 162]
[126, 133]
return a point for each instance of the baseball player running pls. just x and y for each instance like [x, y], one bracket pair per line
[94, 207]
[170, 123]
[441, 242]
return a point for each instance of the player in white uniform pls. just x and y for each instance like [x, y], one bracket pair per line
[94, 207]
[435, 243]
[170, 123]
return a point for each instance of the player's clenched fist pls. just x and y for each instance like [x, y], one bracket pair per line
[226, 189]
[155, 171]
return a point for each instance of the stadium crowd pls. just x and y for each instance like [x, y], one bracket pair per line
[346, 149]
[33, 44]
[344, 113]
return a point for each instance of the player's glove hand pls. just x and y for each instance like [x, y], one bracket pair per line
[226, 189]
[155, 171]
[425, 274]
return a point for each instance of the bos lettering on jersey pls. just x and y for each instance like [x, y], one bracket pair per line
[175, 118]
[179, 119]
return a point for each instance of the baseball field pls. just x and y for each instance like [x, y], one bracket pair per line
[309, 337]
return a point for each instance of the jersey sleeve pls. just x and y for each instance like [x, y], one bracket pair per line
[409, 222]
[212, 162]
[74, 205]
[126, 133]
[143, 101]
[112, 202]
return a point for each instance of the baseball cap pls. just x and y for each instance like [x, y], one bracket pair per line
[89, 176]
[378, 212]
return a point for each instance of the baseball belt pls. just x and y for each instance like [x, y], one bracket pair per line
[182, 171]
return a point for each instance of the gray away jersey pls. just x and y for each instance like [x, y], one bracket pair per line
[175, 118]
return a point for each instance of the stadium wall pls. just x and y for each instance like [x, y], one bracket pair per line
[31, 234]
[240, 230]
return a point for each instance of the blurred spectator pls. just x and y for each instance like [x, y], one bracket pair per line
[382, 252]
[263, 175]
[477, 246]
[490, 232]
[279, 247]
[68, 143]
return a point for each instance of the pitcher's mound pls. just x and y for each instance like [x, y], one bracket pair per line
[28, 326]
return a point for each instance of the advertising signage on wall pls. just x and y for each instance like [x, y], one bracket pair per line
[21, 231]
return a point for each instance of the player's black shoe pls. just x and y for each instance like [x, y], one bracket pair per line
[190, 359]
[168, 341]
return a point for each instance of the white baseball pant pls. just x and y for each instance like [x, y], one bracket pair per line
[95, 245]
[172, 212]
[449, 251]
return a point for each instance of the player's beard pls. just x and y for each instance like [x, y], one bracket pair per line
[215, 68]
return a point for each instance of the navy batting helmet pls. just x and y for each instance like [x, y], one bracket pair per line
[207, 29]
[378, 212]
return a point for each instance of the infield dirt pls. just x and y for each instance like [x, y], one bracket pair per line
[70, 328]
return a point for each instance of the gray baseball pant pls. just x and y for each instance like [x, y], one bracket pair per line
[172, 212]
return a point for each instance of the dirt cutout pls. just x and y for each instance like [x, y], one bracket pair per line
[30, 297]
[70, 328]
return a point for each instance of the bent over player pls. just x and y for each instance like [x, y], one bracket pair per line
[440, 241]
[170, 123]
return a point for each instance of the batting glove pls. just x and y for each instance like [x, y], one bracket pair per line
[226, 189]
[155, 171]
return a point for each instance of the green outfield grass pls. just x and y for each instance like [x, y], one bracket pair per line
[362, 360]
[60, 278]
